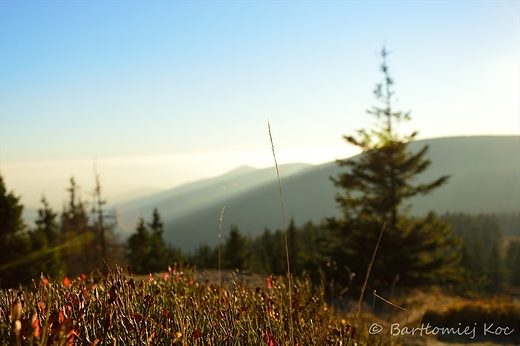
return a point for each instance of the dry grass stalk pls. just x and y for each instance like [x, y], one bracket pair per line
[284, 231]
[219, 262]
[368, 271]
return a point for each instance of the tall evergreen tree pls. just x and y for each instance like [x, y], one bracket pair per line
[478, 255]
[205, 257]
[235, 250]
[317, 244]
[140, 249]
[159, 256]
[514, 276]
[294, 246]
[77, 235]
[273, 250]
[147, 251]
[14, 240]
[45, 239]
[174, 255]
[512, 259]
[265, 254]
[100, 227]
[495, 270]
[375, 188]
[108, 250]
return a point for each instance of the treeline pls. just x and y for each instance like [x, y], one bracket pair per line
[490, 258]
[265, 254]
[490, 249]
[78, 240]
[81, 239]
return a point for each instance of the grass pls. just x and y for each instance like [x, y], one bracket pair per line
[116, 308]
[183, 306]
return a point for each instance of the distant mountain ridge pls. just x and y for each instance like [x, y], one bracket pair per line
[193, 197]
[485, 177]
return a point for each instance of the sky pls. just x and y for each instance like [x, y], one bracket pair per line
[160, 93]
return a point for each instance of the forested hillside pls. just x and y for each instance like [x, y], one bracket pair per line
[483, 173]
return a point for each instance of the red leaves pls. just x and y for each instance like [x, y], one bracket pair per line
[84, 292]
[41, 307]
[112, 292]
[268, 339]
[166, 276]
[35, 325]
[196, 334]
[268, 282]
[296, 305]
[70, 337]
[61, 325]
[61, 317]
[67, 282]
[43, 281]
[138, 318]
[127, 324]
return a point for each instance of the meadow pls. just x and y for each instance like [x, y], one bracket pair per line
[187, 307]
[176, 308]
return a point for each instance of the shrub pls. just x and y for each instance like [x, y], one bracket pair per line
[488, 317]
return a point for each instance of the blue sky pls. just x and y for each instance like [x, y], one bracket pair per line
[166, 92]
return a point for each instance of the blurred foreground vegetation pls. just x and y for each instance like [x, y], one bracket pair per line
[180, 306]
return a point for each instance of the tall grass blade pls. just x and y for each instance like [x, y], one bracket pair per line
[284, 232]
[219, 262]
[368, 271]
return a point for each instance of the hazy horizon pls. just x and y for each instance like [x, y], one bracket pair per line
[144, 170]
[121, 176]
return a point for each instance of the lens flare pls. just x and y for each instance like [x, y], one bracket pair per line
[127, 215]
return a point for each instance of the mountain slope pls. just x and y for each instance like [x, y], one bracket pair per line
[196, 196]
[485, 177]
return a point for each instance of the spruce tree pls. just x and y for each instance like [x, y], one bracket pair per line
[14, 240]
[174, 255]
[266, 252]
[375, 188]
[294, 247]
[205, 257]
[104, 231]
[140, 249]
[275, 249]
[79, 240]
[514, 276]
[109, 251]
[235, 250]
[159, 255]
[45, 239]
[495, 274]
